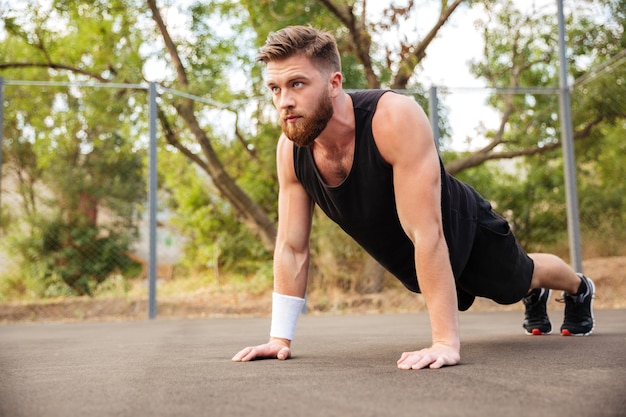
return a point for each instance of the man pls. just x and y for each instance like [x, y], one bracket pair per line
[369, 161]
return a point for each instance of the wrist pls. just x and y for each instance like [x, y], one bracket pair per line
[452, 341]
[285, 312]
[281, 341]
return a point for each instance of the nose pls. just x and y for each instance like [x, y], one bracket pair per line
[285, 100]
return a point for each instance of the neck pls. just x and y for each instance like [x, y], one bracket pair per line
[340, 129]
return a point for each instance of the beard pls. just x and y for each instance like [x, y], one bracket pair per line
[310, 126]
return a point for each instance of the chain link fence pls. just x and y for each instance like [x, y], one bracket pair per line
[529, 155]
[76, 161]
[74, 186]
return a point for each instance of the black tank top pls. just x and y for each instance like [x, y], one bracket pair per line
[364, 204]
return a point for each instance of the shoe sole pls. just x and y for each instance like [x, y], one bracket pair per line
[566, 332]
[537, 332]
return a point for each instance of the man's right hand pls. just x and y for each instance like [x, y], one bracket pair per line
[274, 349]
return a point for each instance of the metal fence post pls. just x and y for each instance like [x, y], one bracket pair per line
[152, 203]
[1, 138]
[433, 114]
[567, 143]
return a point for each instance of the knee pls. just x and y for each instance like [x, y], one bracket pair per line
[550, 271]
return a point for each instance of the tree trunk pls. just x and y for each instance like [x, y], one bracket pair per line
[253, 216]
[248, 211]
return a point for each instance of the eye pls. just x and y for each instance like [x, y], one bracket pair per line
[274, 89]
[297, 84]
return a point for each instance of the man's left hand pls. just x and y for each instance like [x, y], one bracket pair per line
[434, 357]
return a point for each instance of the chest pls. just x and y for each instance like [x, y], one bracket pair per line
[334, 165]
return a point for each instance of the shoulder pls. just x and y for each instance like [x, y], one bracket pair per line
[284, 150]
[285, 146]
[396, 107]
[400, 126]
[284, 159]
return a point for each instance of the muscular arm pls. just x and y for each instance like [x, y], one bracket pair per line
[295, 208]
[403, 136]
[291, 254]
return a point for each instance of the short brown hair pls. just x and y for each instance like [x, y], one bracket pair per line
[319, 46]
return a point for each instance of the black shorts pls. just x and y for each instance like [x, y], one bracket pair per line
[498, 268]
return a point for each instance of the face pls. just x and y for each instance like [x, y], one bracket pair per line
[301, 95]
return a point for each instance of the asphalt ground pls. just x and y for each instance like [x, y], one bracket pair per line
[342, 366]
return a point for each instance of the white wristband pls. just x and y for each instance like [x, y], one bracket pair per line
[285, 312]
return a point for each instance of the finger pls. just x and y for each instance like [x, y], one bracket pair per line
[250, 355]
[439, 363]
[416, 360]
[409, 356]
[241, 354]
[283, 354]
[408, 360]
[422, 363]
[403, 357]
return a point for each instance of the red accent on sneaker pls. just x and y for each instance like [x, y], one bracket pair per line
[565, 332]
[536, 332]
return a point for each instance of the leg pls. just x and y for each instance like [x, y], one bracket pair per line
[500, 269]
[553, 273]
[578, 293]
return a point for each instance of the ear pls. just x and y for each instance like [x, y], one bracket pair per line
[335, 83]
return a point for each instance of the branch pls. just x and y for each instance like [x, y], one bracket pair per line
[52, 65]
[242, 140]
[361, 42]
[345, 15]
[410, 59]
[479, 157]
[506, 115]
[172, 138]
[169, 44]
[251, 152]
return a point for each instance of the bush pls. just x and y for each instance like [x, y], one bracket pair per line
[60, 258]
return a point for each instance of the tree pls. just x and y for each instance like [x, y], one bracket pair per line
[247, 209]
[520, 52]
[78, 171]
[213, 56]
[80, 180]
[188, 73]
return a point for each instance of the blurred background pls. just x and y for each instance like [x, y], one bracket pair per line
[74, 172]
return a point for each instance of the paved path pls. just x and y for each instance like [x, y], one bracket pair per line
[342, 366]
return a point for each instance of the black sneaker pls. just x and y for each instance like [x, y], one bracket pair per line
[536, 320]
[578, 319]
